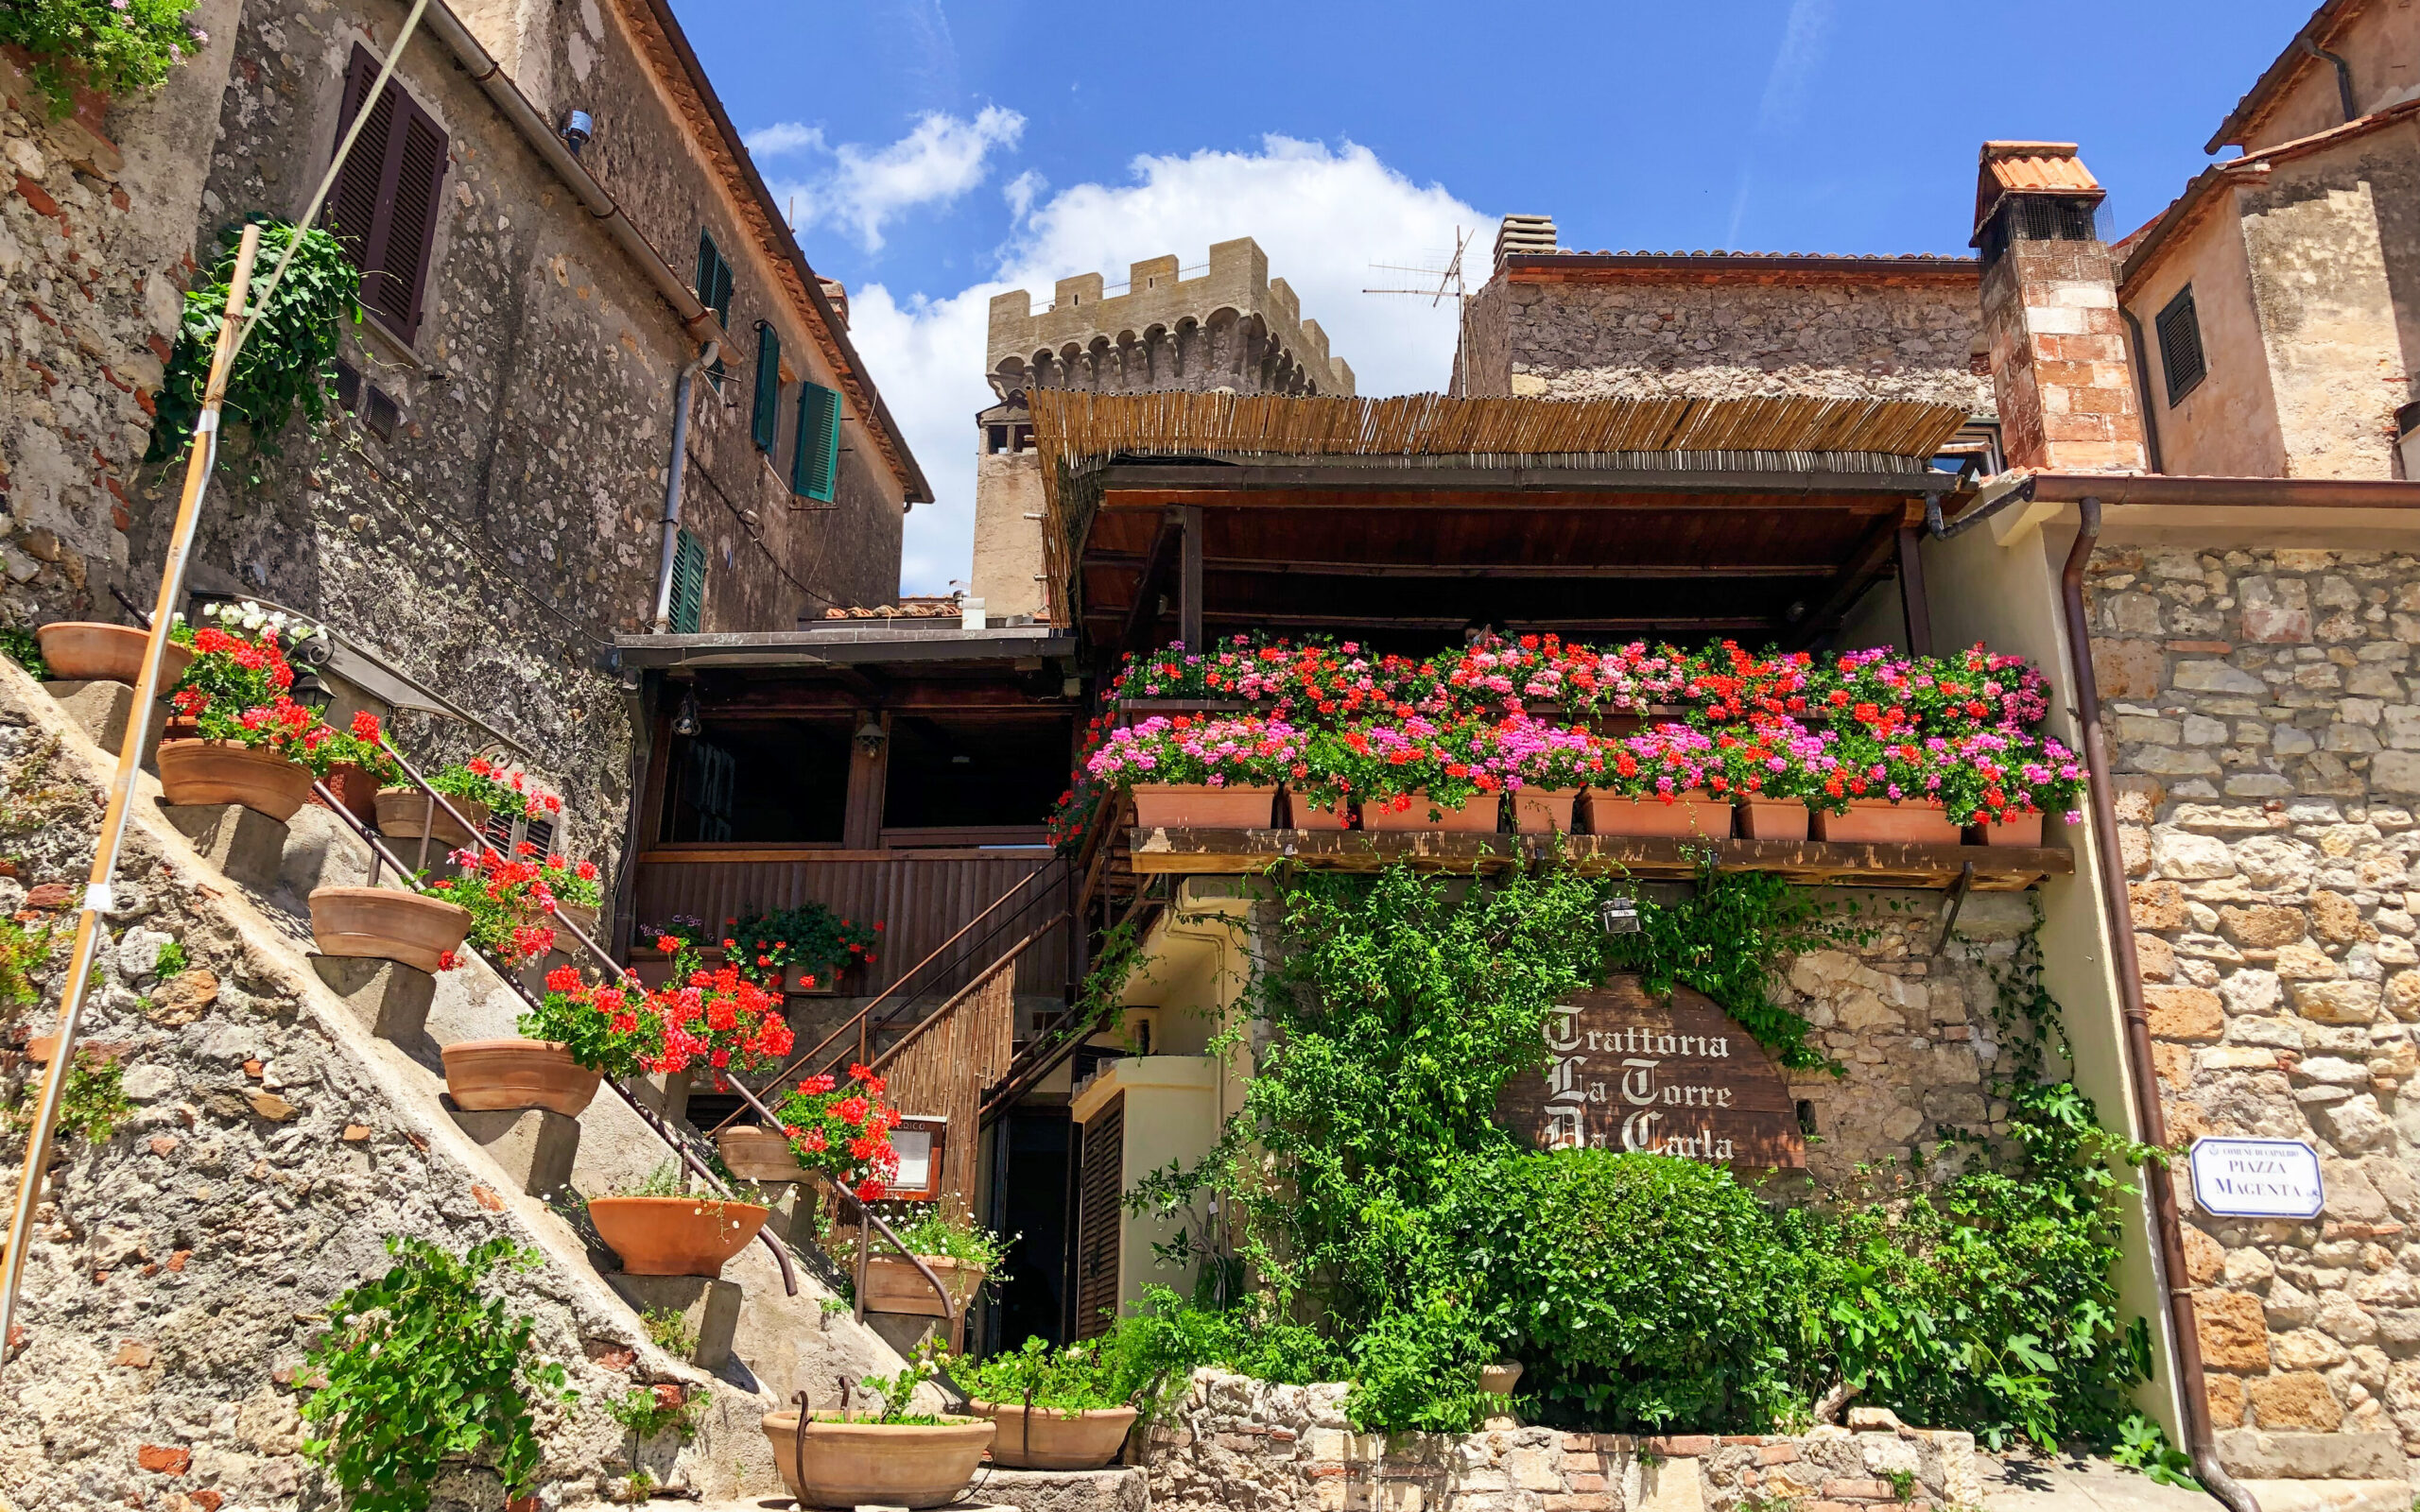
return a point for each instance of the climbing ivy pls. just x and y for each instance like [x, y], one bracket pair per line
[289, 357]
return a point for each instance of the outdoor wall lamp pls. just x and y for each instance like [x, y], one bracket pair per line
[684, 722]
[872, 737]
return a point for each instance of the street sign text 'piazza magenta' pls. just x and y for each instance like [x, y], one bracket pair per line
[1680, 1078]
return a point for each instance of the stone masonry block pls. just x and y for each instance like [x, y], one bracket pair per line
[707, 1305]
[2331, 1495]
[2252, 1454]
[535, 1145]
[1121, 1488]
[247, 846]
[102, 708]
[390, 999]
[2298, 1399]
[2234, 1334]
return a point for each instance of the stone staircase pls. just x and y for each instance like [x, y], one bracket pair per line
[289, 1115]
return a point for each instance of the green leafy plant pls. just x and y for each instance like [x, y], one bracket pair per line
[419, 1367]
[954, 1236]
[116, 47]
[810, 940]
[1080, 1378]
[897, 1393]
[647, 1411]
[18, 645]
[1903, 1484]
[91, 1106]
[2142, 1445]
[170, 960]
[291, 352]
[25, 949]
[669, 1331]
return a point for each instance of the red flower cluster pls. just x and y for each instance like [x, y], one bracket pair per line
[719, 1018]
[843, 1130]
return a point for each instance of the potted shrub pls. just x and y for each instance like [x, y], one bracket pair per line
[886, 1454]
[1769, 767]
[80, 651]
[387, 923]
[1203, 772]
[251, 743]
[580, 1032]
[1657, 788]
[1056, 1409]
[953, 1245]
[659, 1229]
[1542, 767]
[573, 887]
[806, 948]
[359, 766]
[717, 1021]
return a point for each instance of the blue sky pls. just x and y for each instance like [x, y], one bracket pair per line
[939, 153]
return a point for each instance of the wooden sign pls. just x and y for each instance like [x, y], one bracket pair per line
[1679, 1079]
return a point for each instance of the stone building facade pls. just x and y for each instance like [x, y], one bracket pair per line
[483, 512]
[2269, 759]
[1569, 324]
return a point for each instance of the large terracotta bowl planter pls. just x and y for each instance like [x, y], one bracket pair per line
[857, 1464]
[1040, 1438]
[1693, 815]
[1477, 816]
[1544, 811]
[1762, 819]
[383, 923]
[675, 1236]
[1498, 1379]
[1192, 806]
[405, 813]
[492, 1076]
[78, 651]
[894, 1285]
[1879, 820]
[754, 1153]
[2024, 831]
[202, 773]
[580, 917]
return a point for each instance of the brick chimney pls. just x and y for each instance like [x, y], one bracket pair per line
[2059, 366]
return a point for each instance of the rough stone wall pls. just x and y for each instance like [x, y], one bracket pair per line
[2268, 755]
[181, 1266]
[1652, 339]
[93, 233]
[1240, 1442]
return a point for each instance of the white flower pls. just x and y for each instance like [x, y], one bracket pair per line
[210, 611]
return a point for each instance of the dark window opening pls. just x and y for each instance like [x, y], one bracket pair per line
[383, 414]
[348, 387]
[2180, 345]
[1806, 1117]
[384, 206]
[1025, 439]
[972, 772]
[2037, 218]
[996, 439]
[766, 781]
[1033, 1183]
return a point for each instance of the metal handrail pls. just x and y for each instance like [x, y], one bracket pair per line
[963, 993]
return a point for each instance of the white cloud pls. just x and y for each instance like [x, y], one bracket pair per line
[1021, 192]
[785, 137]
[1322, 215]
[863, 188]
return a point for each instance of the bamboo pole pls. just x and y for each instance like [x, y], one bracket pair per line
[90, 933]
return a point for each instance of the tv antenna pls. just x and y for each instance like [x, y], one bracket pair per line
[1447, 283]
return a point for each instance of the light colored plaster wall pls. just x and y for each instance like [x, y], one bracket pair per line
[2005, 595]
[2227, 426]
[2381, 42]
[1008, 575]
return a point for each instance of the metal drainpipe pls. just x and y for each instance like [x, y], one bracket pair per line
[2167, 1234]
[2143, 389]
[672, 481]
[2343, 76]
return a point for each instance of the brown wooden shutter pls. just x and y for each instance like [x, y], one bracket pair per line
[1099, 1187]
[384, 204]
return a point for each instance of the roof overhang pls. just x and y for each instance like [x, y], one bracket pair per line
[2273, 80]
[856, 643]
[1739, 267]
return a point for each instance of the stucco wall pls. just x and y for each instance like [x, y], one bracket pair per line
[2226, 426]
[2269, 757]
[2381, 42]
[1643, 336]
[1008, 545]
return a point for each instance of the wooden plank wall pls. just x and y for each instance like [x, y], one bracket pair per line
[921, 899]
[944, 1067]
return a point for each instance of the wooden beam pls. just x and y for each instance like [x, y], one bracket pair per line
[1158, 563]
[1128, 559]
[1914, 607]
[1590, 625]
[1189, 603]
[1236, 852]
[868, 777]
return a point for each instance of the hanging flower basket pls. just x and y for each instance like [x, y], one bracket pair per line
[78, 651]
[491, 1076]
[1881, 821]
[839, 1464]
[675, 1236]
[383, 923]
[208, 772]
[1044, 1438]
[407, 813]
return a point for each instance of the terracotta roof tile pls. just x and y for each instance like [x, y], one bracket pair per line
[912, 607]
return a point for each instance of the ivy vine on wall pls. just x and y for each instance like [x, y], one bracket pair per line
[290, 356]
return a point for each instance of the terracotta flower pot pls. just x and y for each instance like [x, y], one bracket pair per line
[206, 772]
[1762, 819]
[1044, 1439]
[2025, 831]
[356, 791]
[404, 812]
[755, 1153]
[78, 651]
[1477, 816]
[1193, 806]
[1881, 821]
[894, 1285]
[1544, 811]
[485, 1075]
[1304, 812]
[580, 917]
[1693, 815]
[385, 923]
[1498, 1379]
[675, 1236]
[855, 1464]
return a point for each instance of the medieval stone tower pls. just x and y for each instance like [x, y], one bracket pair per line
[1228, 327]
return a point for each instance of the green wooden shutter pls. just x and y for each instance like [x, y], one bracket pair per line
[688, 584]
[765, 424]
[714, 292]
[815, 468]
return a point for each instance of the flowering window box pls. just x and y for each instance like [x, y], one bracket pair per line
[1200, 806]
[1691, 814]
[1544, 810]
[1771, 819]
[1418, 812]
[2023, 830]
[1884, 821]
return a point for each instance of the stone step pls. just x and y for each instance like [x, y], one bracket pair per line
[708, 1307]
[101, 709]
[390, 999]
[248, 847]
[536, 1147]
